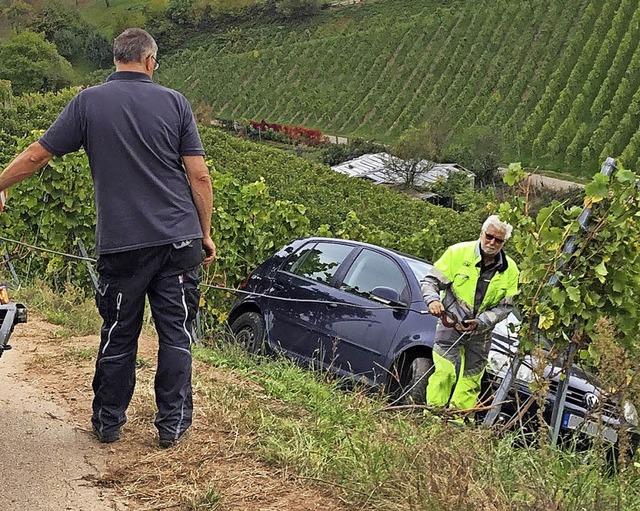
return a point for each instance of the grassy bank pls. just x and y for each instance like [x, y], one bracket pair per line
[397, 460]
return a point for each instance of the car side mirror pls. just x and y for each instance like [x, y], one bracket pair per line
[387, 296]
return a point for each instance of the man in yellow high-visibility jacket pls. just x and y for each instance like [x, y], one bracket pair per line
[476, 281]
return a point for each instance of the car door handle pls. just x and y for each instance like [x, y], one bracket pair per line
[332, 305]
[278, 287]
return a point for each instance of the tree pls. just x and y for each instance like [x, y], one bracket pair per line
[416, 153]
[97, 50]
[55, 16]
[6, 93]
[333, 154]
[125, 20]
[74, 38]
[18, 12]
[32, 64]
[180, 12]
[479, 149]
[456, 192]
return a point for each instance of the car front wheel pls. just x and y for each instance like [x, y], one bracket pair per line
[248, 331]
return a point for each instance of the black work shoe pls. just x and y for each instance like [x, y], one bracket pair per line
[106, 437]
[165, 443]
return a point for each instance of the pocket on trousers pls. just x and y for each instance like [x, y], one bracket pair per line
[191, 293]
[188, 256]
[120, 264]
[102, 301]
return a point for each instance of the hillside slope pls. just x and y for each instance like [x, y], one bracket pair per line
[559, 80]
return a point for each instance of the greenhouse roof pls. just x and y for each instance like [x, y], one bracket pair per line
[373, 167]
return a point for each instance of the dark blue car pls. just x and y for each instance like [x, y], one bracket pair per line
[357, 310]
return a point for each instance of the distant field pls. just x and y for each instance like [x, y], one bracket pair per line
[97, 13]
[560, 80]
[96, 10]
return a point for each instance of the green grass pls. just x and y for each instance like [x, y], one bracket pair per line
[102, 17]
[209, 500]
[305, 424]
[73, 309]
[75, 353]
[377, 459]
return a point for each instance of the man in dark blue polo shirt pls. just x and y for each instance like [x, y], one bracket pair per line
[154, 204]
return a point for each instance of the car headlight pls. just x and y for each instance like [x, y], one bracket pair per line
[630, 413]
[499, 363]
[524, 374]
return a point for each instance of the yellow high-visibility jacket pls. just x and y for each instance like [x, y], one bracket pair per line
[457, 273]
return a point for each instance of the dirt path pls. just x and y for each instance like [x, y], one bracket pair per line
[49, 460]
[552, 183]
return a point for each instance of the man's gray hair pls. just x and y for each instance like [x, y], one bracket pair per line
[494, 221]
[133, 45]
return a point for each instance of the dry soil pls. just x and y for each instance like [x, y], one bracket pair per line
[49, 459]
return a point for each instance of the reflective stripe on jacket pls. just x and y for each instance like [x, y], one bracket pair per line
[457, 273]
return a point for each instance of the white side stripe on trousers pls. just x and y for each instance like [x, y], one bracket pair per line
[186, 310]
[118, 302]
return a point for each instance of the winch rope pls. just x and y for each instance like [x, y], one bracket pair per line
[47, 250]
[449, 319]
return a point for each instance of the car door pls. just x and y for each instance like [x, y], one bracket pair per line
[358, 330]
[304, 280]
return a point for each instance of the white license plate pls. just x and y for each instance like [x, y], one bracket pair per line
[591, 428]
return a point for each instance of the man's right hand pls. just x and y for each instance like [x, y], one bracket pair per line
[436, 308]
[209, 249]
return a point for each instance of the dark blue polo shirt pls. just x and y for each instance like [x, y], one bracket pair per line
[134, 132]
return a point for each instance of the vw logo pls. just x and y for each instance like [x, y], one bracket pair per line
[591, 400]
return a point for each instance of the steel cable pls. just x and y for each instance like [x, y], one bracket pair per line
[449, 319]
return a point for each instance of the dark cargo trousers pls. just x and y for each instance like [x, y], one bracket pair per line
[168, 275]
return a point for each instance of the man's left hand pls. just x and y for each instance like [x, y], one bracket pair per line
[471, 325]
[209, 249]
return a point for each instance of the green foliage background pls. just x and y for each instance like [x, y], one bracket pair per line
[264, 197]
[33, 64]
[599, 278]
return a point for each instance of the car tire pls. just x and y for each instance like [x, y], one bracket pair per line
[248, 331]
[415, 381]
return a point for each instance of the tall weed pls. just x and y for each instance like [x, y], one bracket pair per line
[74, 309]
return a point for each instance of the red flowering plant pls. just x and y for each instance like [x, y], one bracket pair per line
[278, 132]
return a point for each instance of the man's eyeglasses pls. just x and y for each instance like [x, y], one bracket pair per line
[156, 61]
[491, 237]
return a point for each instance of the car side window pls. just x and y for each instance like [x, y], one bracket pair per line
[372, 269]
[319, 262]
